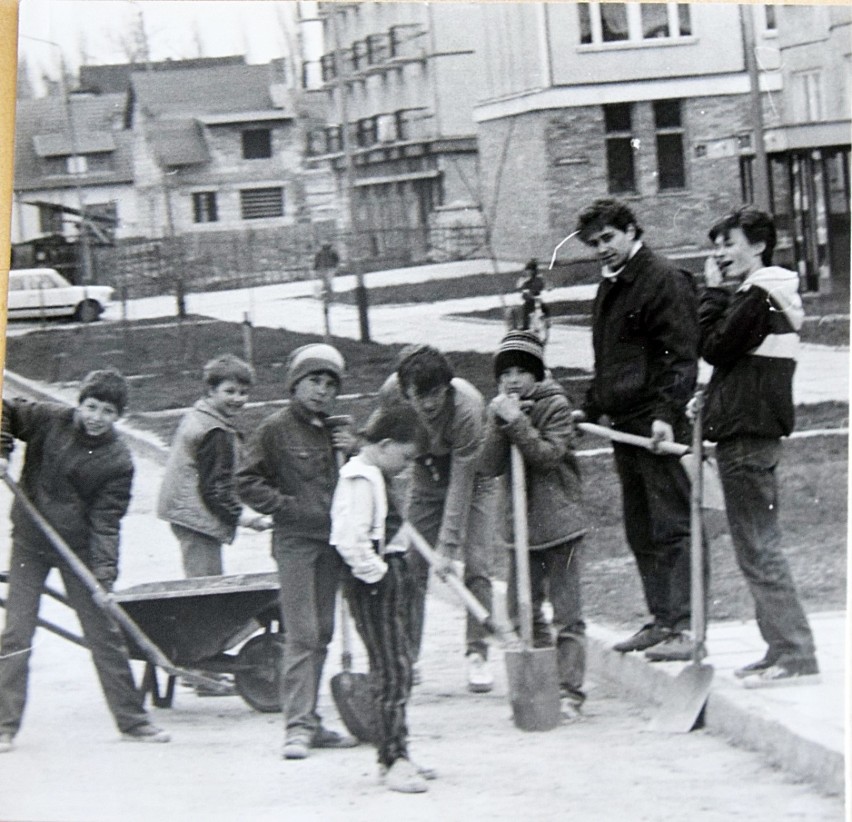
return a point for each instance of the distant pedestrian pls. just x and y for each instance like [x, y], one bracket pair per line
[533, 413]
[78, 473]
[750, 315]
[326, 262]
[645, 339]
[198, 495]
[449, 501]
[379, 587]
[289, 471]
[534, 314]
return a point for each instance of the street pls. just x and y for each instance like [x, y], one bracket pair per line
[224, 760]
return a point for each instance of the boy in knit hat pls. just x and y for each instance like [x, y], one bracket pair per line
[532, 412]
[78, 472]
[288, 471]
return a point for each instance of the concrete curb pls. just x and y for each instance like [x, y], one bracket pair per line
[649, 683]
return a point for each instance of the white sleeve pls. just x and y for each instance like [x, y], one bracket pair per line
[351, 523]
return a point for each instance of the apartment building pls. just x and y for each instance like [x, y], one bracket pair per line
[648, 102]
[403, 79]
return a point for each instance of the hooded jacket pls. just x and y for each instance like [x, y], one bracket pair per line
[751, 339]
[545, 437]
[80, 484]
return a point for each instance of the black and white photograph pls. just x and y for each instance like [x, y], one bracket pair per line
[425, 410]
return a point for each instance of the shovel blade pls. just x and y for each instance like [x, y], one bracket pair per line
[533, 688]
[685, 700]
[353, 698]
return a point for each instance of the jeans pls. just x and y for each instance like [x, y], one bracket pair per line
[747, 470]
[425, 512]
[380, 613]
[202, 554]
[655, 492]
[555, 575]
[28, 571]
[310, 572]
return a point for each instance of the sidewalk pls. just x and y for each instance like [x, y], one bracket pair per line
[799, 729]
[822, 374]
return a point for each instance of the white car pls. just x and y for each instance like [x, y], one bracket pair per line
[44, 292]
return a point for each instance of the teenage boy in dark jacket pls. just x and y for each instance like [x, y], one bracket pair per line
[288, 470]
[750, 317]
[645, 338]
[532, 412]
[78, 473]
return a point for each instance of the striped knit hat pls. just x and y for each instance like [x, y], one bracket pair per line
[311, 359]
[522, 349]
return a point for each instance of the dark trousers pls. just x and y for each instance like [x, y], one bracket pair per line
[309, 572]
[425, 512]
[380, 612]
[28, 571]
[747, 470]
[555, 575]
[655, 492]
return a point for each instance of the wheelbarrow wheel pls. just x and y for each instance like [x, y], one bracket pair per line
[257, 674]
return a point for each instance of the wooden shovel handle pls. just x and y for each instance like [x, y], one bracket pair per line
[522, 547]
[673, 448]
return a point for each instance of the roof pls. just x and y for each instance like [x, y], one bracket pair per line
[179, 143]
[209, 90]
[115, 78]
[42, 131]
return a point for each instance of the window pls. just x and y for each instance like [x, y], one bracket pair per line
[204, 207]
[378, 48]
[257, 144]
[807, 96]
[671, 172]
[632, 22]
[49, 220]
[359, 54]
[76, 164]
[333, 139]
[621, 172]
[366, 132]
[257, 203]
[770, 17]
[327, 67]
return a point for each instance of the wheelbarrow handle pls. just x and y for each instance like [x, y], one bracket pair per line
[102, 598]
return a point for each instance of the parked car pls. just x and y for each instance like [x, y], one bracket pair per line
[44, 292]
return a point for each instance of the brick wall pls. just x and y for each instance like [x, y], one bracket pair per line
[557, 164]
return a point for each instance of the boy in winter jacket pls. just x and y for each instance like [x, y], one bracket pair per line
[380, 586]
[532, 412]
[78, 474]
[289, 471]
[197, 495]
[750, 315]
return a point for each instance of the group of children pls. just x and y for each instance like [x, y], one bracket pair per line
[327, 492]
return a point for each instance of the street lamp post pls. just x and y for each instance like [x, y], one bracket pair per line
[760, 173]
[349, 182]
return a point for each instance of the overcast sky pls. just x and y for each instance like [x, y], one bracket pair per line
[175, 28]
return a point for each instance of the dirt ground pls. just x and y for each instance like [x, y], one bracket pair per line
[224, 761]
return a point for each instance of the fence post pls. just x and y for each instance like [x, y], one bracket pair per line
[248, 340]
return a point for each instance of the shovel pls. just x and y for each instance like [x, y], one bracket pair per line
[104, 600]
[685, 700]
[352, 693]
[532, 673]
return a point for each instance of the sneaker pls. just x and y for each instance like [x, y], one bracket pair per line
[324, 738]
[6, 743]
[573, 695]
[646, 637]
[804, 674]
[146, 732]
[480, 680]
[754, 668]
[295, 747]
[404, 777]
[679, 647]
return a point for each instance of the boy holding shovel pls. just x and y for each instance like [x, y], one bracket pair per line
[380, 586]
[532, 412]
[77, 472]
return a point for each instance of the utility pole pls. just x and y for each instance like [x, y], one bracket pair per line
[760, 174]
[349, 179]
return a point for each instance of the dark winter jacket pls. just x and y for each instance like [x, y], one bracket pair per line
[198, 490]
[751, 339]
[288, 470]
[81, 484]
[645, 338]
[545, 437]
